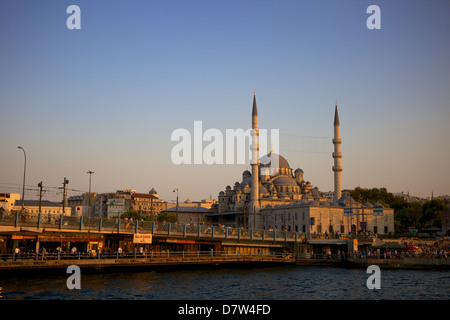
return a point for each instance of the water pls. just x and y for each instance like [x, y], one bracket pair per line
[237, 283]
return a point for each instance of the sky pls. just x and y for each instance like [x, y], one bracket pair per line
[107, 97]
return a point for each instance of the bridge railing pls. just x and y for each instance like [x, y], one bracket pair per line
[36, 256]
[64, 222]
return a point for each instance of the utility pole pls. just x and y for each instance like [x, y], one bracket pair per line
[177, 203]
[64, 194]
[40, 196]
[89, 201]
[24, 172]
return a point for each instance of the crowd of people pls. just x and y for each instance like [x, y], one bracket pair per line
[421, 250]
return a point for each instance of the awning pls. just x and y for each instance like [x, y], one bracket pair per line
[389, 245]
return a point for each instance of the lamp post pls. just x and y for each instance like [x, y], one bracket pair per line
[177, 204]
[24, 172]
[89, 200]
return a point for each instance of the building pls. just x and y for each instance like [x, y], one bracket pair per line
[44, 207]
[81, 205]
[111, 205]
[147, 203]
[408, 198]
[283, 200]
[194, 215]
[445, 216]
[8, 200]
[329, 195]
[115, 204]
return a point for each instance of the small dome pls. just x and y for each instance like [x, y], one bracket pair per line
[346, 201]
[284, 181]
[307, 197]
[283, 196]
[263, 190]
[246, 181]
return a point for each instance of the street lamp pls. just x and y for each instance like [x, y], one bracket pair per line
[24, 172]
[177, 203]
[89, 201]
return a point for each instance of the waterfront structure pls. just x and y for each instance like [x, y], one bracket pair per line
[283, 200]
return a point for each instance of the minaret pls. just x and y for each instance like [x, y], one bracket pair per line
[337, 155]
[254, 197]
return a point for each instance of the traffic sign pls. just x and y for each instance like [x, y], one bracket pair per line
[348, 212]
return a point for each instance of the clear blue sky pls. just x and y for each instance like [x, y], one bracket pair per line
[107, 97]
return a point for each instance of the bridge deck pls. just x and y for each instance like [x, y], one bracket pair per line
[157, 259]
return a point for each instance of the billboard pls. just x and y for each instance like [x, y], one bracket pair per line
[142, 238]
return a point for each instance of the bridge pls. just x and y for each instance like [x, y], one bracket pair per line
[148, 260]
[168, 243]
[40, 223]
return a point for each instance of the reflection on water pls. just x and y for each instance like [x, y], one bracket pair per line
[271, 283]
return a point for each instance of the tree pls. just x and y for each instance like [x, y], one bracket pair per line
[135, 215]
[381, 195]
[432, 210]
[167, 217]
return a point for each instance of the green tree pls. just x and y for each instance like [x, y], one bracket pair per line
[167, 216]
[432, 210]
[135, 215]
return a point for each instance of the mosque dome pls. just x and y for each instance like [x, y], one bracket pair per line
[266, 161]
[263, 190]
[346, 201]
[283, 196]
[284, 181]
[247, 181]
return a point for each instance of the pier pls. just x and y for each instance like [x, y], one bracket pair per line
[153, 259]
[103, 243]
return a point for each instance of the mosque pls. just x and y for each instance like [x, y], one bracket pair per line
[281, 199]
